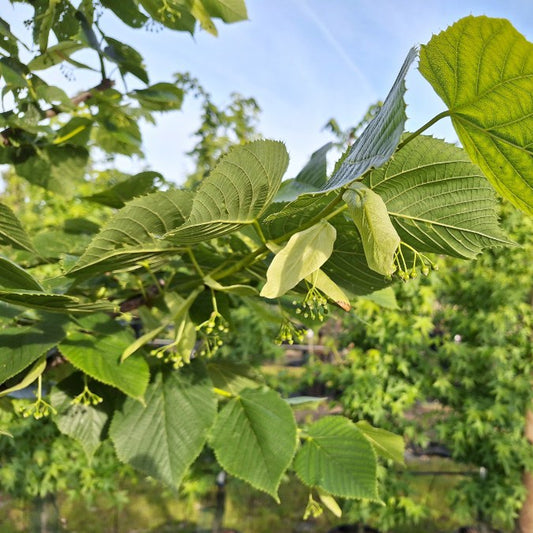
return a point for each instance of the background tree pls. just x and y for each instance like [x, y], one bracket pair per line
[174, 262]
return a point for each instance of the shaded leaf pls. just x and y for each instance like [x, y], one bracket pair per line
[127, 11]
[12, 276]
[120, 193]
[20, 347]
[11, 230]
[164, 437]
[35, 371]
[127, 58]
[232, 377]
[438, 200]
[97, 351]
[160, 97]
[81, 421]
[378, 141]
[254, 438]
[237, 191]
[134, 233]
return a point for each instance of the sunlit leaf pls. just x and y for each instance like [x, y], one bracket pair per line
[11, 230]
[338, 459]
[482, 68]
[254, 438]
[237, 191]
[304, 253]
[12, 276]
[385, 443]
[163, 437]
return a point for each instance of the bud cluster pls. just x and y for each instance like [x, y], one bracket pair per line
[211, 331]
[87, 397]
[407, 271]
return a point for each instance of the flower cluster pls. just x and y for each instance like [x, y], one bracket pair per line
[408, 268]
[211, 332]
[38, 409]
[87, 397]
[314, 305]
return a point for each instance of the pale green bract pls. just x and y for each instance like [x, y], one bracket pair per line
[482, 68]
[305, 253]
[378, 235]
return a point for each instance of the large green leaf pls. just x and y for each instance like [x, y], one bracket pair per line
[96, 350]
[385, 443]
[124, 191]
[20, 347]
[232, 377]
[304, 253]
[55, 303]
[380, 240]
[84, 421]
[11, 230]
[134, 233]
[237, 191]
[127, 11]
[438, 200]
[160, 97]
[227, 10]
[12, 276]
[378, 141]
[55, 54]
[311, 178]
[164, 437]
[56, 168]
[254, 438]
[337, 458]
[483, 70]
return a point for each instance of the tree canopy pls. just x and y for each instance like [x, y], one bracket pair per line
[115, 289]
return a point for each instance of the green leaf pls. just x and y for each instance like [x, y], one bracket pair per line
[304, 253]
[338, 459]
[14, 72]
[35, 371]
[164, 437]
[84, 422]
[237, 191]
[482, 68]
[227, 10]
[97, 351]
[55, 54]
[173, 15]
[127, 11]
[232, 377]
[241, 290]
[12, 276]
[311, 178]
[159, 97]
[438, 200]
[12, 232]
[20, 347]
[384, 298]
[378, 141]
[200, 13]
[56, 168]
[385, 443]
[124, 191]
[8, 41]
[254, 438]
[134, 233]
[55, 303]
[127, 58]
[370, 215]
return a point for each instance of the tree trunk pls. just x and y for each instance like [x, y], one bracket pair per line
[44, 516]
[525, 521]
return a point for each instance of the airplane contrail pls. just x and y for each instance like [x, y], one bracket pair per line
[336, 45]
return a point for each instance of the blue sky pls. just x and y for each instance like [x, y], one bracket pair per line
[304, 61]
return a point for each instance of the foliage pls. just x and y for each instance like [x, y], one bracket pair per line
[173, 262]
